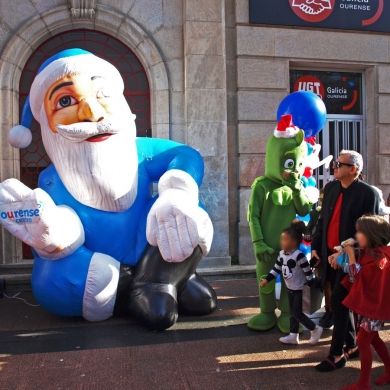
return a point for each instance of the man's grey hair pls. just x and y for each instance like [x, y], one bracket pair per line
[356, 159]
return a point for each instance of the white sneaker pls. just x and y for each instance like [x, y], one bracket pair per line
[316, 335]
[292, 338]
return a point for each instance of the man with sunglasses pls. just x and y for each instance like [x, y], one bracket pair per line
[346, 199]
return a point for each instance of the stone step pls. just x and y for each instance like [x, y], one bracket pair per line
[17, 282]
[231, 272]
[21, 281]
[24, 267]
[215, 262]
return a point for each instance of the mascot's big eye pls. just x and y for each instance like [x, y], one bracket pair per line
[289, 164]
[65, 101]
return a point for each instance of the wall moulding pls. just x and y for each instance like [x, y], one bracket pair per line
[82, 9]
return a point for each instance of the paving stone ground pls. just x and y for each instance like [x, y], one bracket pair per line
[39, 350]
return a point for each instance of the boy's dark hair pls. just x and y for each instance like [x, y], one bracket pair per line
[296, 230]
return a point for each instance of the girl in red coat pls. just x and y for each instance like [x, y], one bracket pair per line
[369, 285]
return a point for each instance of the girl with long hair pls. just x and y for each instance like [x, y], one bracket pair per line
[369, 284]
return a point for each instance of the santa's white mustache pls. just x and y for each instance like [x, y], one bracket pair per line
[80, 131]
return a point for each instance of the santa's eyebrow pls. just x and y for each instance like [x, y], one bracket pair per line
[57, 87]
[97, 77]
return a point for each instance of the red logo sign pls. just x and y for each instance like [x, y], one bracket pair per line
[378, 14]
[312, 10]
[311, 84]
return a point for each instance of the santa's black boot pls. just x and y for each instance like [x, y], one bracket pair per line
[156, 282]
[197, 297]
[121, 307]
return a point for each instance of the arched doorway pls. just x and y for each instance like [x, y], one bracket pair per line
[34, 159]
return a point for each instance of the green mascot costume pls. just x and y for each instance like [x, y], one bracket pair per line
[275, 200]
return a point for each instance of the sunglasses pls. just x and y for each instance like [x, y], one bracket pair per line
[338, 164]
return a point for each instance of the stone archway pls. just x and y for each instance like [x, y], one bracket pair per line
[49, 23]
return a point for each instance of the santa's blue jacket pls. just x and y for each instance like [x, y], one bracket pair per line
[59, 285]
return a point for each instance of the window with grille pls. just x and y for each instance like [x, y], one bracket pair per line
[340, 132]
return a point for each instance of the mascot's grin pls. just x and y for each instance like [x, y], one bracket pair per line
[88, 130]
[287, 173]
[99, 137]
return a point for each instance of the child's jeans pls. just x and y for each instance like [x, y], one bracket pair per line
[296, 314]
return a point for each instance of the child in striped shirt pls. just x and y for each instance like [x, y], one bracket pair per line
[296, 271]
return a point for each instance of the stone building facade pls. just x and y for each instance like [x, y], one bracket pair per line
[215, 82]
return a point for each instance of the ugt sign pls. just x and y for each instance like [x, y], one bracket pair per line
[311, 84]
[369, 15]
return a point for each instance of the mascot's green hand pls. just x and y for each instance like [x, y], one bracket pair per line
[293, 180]
[263, 251]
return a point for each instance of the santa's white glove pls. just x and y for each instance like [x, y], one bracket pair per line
[32, 216]
[176, 223]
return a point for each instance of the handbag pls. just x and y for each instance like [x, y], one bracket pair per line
[343, 261]
[312, 298]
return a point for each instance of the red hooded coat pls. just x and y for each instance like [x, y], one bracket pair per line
[369, 295]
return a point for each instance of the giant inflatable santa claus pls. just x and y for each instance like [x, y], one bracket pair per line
[101, 241]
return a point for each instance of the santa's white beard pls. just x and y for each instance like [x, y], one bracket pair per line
[102, 175]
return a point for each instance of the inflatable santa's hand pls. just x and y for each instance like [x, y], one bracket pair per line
[32, 216]
[176, 223]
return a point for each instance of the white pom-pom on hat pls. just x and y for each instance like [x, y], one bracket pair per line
[20, 136]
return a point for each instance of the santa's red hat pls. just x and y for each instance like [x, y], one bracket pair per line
[286, 128]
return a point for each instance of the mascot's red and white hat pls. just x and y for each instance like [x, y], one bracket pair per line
[67, 62]
[286, 128]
